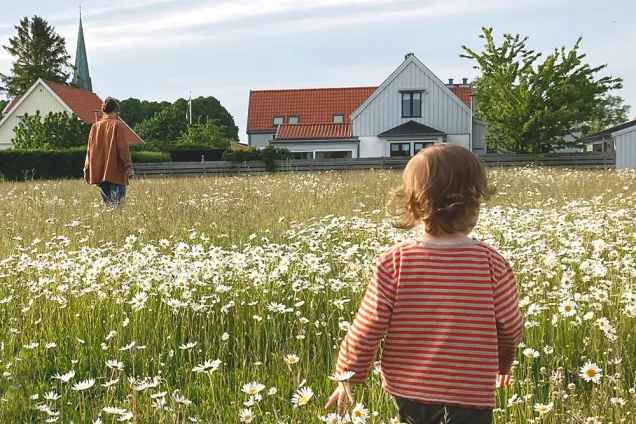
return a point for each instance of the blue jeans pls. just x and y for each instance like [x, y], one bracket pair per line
[112, 194]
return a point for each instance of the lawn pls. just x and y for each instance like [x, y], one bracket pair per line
[216, 300]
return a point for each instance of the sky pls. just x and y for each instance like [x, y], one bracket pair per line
[163, 49]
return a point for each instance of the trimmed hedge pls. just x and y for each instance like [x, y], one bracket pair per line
[267, 154]
[20, 165]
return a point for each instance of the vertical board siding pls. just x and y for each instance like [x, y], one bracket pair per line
[626, 150]
[441, 109]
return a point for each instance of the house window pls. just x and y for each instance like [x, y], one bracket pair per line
[598, 147]
[421, 146]
[302, 155]
[338, 119]
[400, 149]
[347, 154]
[278, 120]
[293, 119]
[412, 104]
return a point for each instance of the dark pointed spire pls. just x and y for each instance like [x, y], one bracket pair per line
[81, 76]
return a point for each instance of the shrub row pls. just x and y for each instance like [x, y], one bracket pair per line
[17, 165]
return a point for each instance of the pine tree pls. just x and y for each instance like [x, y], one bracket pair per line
[38, 52]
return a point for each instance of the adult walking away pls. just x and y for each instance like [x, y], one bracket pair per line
[108, 163]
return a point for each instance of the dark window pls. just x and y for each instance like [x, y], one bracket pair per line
[598, 147]
[278, 120]
[337, 119]
[400, 149]
[302, 155]
[421, 146]
[412, 105]
[334, 155]
[293, 119]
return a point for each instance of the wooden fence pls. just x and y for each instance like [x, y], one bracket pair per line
[167, 169]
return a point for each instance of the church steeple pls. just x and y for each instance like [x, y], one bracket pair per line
[81, 76]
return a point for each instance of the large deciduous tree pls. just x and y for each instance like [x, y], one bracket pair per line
[38, 52]
[532, 106]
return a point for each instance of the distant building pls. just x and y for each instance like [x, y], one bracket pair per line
[49, 97]
[411, 110]
[620, 139]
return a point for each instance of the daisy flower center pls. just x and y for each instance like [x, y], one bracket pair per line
[590, 373]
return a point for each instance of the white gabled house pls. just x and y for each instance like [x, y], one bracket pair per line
[411, 110]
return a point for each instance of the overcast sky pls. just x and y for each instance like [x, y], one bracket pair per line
[163, 49]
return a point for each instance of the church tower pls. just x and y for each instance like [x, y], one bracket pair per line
[81, 76]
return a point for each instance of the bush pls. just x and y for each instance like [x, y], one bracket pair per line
[16, 165]
[57, 131]
[268, 155]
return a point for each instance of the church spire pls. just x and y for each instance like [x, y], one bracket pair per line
[81, 76]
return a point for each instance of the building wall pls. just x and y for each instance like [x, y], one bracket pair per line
[337, 146]
[39, 100]
[441, 109]
[626, 150]
[259, 140]
[479, 134]
[371, 147]
[459, 139]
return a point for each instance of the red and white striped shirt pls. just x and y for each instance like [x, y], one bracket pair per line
[452, 321]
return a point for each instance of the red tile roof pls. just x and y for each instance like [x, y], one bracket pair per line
[83, 104]
[314, 131]
[11, 105]
[313, 106]
[464, 94]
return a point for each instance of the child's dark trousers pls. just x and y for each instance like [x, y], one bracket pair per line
[411, 412]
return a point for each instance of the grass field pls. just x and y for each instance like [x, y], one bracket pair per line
[216, 300]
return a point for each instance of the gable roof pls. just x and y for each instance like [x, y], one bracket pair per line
[411, 128]
[337, 131]
[464, 92]
[82, 103]
[414, 60]
[609, 132]
[312, 106]
[11, 105]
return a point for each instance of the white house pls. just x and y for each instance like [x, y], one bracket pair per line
[48, 97]
[411, 110]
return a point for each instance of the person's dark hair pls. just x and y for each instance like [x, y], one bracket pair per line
[110, 105]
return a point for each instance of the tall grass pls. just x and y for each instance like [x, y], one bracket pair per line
[279, 263]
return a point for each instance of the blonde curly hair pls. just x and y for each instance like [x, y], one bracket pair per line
[442, 188]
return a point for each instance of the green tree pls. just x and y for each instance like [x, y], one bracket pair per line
[38, 52]
[209, 108]
[531, 107]
[208, 134]
[165, 127]
[57, 131]
[135, 111]
[3, 104]
[610, 111]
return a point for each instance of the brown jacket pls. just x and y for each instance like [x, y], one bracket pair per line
[108, 154]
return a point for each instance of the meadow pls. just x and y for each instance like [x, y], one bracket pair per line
[224, 300]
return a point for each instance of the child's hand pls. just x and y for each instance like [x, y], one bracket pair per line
[503, 380]
[340, 396]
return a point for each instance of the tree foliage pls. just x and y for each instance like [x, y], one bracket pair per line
[208, 134]
[532, 107]
[57, 131]
[169, 124]
[38, 52]
[3, 104]
[135, 111]
[610, 111]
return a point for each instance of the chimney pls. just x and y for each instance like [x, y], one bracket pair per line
[465, 81]
[450, 81]
[409, 54]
